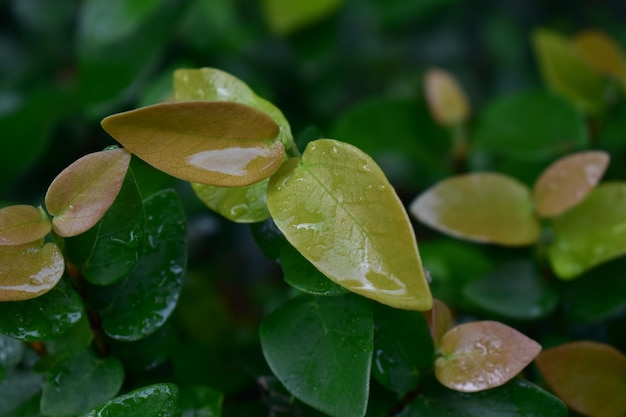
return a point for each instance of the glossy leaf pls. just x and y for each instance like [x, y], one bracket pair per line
[591, 233]
[239, 204]
[79, 382]
[439, 320]
[81, 194]
[148, 353]
[138, 305]
[568, 181]
[23, 224]
[589, 376]
[154, 400]
[284, 16]
[514, 290]
[216, 143]
[483, 207]
[20, 393]
[30, 270]
[108, 251]
[446, 98]
[201, 401]
[601, 53]
[330, 369]
[337, 208]
[43, 317]
[566, 72]
[481, 355]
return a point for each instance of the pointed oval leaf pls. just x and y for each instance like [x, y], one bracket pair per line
[567, 181]
[446, 99]
[23, 224]
[81, 194]
[590, 233]
[601, 53]
[330, 370]
[285, 17]
[439, 320]
[30, 270]
[214, 142]
[337, 208]
[154, 400]
[589, 376]
[481, 355]
[483, 207]
[238, 204]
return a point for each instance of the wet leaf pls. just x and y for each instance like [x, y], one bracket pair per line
[446, 99]
[483, 207]
[79, 382]
[565, 71]
[30, 270]
[11, 352]
[81, 194]
[154, 400]
[514, 290]
[601, 53]
[568, 181]
[201, 401]
[481, 355]
[138, 305]
[44, 317]
[439, 320]
[330, 370]
[336, 207]
[23, 224]
[239, 204]
[217, 143]
[589, 376]
[590, 233]
[284, 16]
[20, 394]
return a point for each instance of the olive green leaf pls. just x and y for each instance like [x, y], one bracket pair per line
[23, 224]
[589, 376]
[238, 204]
[81, 194]
[601, 53]
[285, 16]
[336, 207]
[590, 233]
[30, 270]
[446, 99]
[567, 181]
[217, 143]
[483, 207]
[481, 355]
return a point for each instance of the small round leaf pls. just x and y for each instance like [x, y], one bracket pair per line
[446, 99]
[160, 400]
[23, 224]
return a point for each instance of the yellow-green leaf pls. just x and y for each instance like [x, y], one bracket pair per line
[30, 270]
[483, 207]
[601, 53]
[239, 204]
[481, 355]
[589, 377]
[210, 142]
[23, 224]
[567, 181]
[286, 16]
[446, 99]
[81, 194]
[337, 208]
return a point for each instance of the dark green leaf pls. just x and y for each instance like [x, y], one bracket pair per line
[79, 382]
[110, 250]
[148, 353]
[158, 400]
[76, 337]
[11, 352]
[330, 367]
[200, 401]
[43, 317]
[269, 238]
[20, 394]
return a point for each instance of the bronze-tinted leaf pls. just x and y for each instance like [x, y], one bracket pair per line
[601, 53]
[81, 194]
[483, 207]
[23, 224]
[567, 181]
[30, 270]
[481, 355]
[209, 142]
[589, 376]
[439, 320]
[446, 99]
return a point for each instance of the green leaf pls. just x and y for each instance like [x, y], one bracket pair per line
[23, 224]
[566, 72]
[602, 53]
[446, 99]
[217, 143]
[515, 290]
[239, 204]
[201, 401]
[138, 305]
[107, 252]
[588, 376]
[330, 369]
[403, 348]
[591, 233]
[302, 275]
[481, 355]
[268, 238]
[82, 193]
[285, 17]
[147, 353]
[336, 207]
[483, 207]
[43, 317]
[79, 382]
[20, 394]
[154, 400]
[11, 352]
[514, 399]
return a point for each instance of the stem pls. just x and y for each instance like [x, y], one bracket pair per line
[39, 348]
[459, 148]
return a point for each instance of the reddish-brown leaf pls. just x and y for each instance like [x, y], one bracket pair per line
[23, 224]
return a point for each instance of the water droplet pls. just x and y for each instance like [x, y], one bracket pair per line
[314, 227]
[238, 211]
[312, 148]
[363, 166]
[382, 187]
[335, 152]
